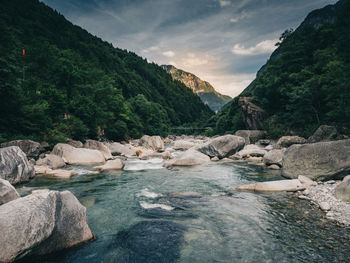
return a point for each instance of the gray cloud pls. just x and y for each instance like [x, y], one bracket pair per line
[222, 41]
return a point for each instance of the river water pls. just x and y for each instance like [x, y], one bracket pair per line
[142, 214]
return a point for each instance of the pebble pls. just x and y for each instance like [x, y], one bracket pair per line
[325, 206]
[303, 197]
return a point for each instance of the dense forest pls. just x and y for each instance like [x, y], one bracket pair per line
[70, 83]
[306, 81]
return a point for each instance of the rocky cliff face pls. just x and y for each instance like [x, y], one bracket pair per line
[203, 89]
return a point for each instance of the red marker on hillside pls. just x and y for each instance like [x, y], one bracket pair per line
[23, 52]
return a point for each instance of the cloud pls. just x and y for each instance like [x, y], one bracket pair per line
[239, 17]
[263, 47]
[192, 60]
[152, 48]
[224, 3]
[169, 54]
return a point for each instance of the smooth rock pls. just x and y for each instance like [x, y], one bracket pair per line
[96, 145]
[342, 191]
[116, 164]
[273, 186]
[325, 206]
[251, 150]
[287, 141]
[274, 167]
[52, 161]
[117, 148]
[305, 180]
[251, 136]
[189, 158]
[45, 170]
[215, 159]
[76, 144]
[7, 192]
[14, 165]
[274, 157]
[318, 161]
[41, 223]
[223, 146]
[29, 147]
[73, 155]
[324, 133]
[183, 145]
[152, 142]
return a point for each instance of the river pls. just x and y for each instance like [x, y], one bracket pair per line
[142, 215]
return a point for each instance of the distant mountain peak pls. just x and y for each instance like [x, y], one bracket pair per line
[202, 88]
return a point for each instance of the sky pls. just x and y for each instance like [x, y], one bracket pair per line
[224, 42]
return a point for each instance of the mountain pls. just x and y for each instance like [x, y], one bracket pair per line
[203, 89]
[306, 81]
[73, 84]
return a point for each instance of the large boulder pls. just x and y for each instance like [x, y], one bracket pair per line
[30, 148]
[116, 164]
[41, 223]
[183, 145]
[318, 161]
[251, 136]
[152, 142]
[7, 192]
[73, 155]
[274, 157]
[342, 191]
[324, 133]
[189, 158]
[253, 115]
[95, 145]
[273, 186]
[52, 161]
[223, 146]
[251, 150]
[287, 141]
[14, 165]
[117, 148]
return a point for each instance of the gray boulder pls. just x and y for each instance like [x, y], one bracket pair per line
[318, 161]
[117, 148]
[152, 142]
[324, 133]
[342, 191]
[96, 145]
[52, 161]
[30, 148]
[76, 144]
[251, 136]
[274, 157]
[7, 192]
[189, 158]
[14, 165]
[287, 141]
[72, 155]
[223, 146]
[41, 223]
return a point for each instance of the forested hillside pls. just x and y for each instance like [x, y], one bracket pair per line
[73, 84]
[306, 81]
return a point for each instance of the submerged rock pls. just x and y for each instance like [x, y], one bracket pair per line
[14, 165]
[318, 161]
[41, 223]
[273, 186]
[73, 155]
[150, 241]
[189, 158]
[152, 142]
[223, 146]
[7, 192]
[30, 148]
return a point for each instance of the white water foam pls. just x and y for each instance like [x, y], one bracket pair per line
[146, 205]
[138, 165]
[148, 194]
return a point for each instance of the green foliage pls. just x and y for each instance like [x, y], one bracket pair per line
[72, 84]
[306, 82]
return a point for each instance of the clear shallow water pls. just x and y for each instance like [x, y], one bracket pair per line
[138, 216]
